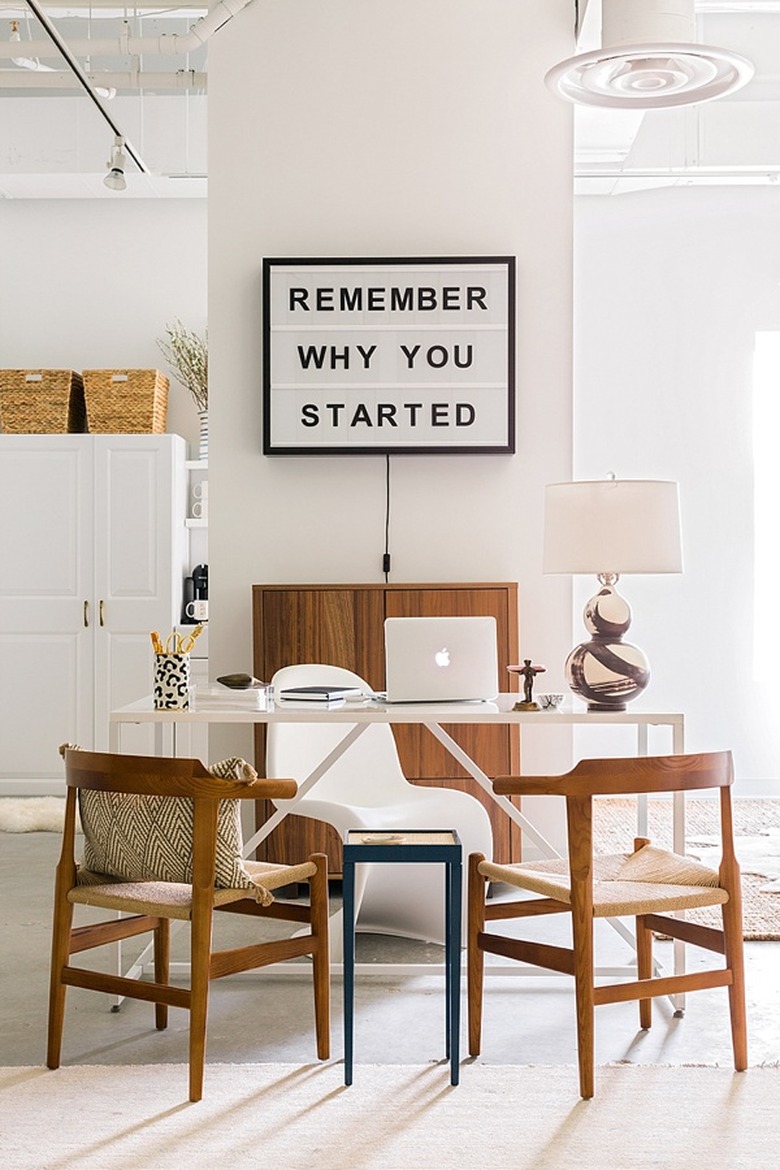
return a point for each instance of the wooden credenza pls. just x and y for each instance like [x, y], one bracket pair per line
[343, 625]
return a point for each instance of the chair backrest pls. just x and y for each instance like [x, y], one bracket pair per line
[636, 774]
[369, 774]
[147, 818]
[162, 776]
[619, 777]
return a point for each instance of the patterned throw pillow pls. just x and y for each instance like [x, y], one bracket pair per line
[149, 838]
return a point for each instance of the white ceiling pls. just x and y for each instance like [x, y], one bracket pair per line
[54, 142]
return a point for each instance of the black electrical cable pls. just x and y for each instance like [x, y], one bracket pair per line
[386, 554]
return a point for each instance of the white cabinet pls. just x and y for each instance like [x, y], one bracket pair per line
[92, 557]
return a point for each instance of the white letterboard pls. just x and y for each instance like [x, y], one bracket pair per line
[388, 356]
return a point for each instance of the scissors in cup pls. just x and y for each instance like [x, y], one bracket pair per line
[187, 644]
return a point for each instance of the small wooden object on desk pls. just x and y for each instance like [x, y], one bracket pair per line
[529, 673]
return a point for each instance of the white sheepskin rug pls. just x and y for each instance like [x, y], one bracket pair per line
[31, 814]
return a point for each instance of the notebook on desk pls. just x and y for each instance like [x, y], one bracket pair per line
[441, 659]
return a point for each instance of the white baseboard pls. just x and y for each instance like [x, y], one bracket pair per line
[53, 786]
[756, 789]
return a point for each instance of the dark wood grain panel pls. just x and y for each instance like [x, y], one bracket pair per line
[333, 625]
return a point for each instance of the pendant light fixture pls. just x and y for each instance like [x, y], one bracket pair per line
[648, 60]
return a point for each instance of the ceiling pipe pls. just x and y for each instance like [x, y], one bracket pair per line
[25, 62]
[183, 81]
[35, 66]
[167, 45]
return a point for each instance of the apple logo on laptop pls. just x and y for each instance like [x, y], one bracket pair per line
[442, 657]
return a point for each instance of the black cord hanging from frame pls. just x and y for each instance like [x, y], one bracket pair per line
[386, 553]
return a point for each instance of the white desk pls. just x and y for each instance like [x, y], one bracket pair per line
[356, 718]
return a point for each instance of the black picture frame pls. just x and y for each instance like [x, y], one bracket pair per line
[380, 356]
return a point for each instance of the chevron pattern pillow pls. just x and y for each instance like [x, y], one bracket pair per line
[149, 838]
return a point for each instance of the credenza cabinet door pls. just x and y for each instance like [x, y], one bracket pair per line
[336, 625]
[343, 625]
[91, 559]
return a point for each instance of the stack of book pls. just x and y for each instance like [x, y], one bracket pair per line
[319, 694]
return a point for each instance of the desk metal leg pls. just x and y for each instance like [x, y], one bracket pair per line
[465, 760]
[348, 886]
[641, 800]
[288, 806]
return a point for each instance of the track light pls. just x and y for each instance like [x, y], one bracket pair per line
[115, 179]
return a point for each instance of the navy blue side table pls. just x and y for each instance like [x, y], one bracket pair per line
[397, 846]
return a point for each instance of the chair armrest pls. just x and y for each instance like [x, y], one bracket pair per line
[270, 789]
[617, 777]
[530, 785]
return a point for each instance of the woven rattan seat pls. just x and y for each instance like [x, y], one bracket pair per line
[615, 893]
[174, 899]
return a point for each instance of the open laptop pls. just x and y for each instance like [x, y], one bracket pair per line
[435, 659]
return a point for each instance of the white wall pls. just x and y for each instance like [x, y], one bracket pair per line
[90, 284]
[360, 128]
[671, 287]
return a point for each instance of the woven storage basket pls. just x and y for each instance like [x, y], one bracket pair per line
[42, 402]
[126, 402]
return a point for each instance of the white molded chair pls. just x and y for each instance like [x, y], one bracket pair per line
[366, 788]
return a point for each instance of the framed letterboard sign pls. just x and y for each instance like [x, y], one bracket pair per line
[412, 356]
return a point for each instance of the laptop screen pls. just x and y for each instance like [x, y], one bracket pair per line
[441, 659]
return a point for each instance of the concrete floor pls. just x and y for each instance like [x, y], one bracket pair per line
[269, 1017]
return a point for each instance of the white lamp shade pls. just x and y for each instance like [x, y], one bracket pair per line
[612, 526]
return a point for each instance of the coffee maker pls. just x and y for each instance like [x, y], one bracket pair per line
[196, 588]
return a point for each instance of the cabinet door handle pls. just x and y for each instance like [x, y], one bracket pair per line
[86, 614]
[100, 612]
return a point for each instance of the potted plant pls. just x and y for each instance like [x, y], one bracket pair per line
[187, 353]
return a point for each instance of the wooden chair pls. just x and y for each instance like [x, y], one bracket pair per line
[154, 903]
[648, 884]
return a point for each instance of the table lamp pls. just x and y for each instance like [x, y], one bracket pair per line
[610, 527]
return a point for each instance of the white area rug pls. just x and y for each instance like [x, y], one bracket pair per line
[31, 814]
[292, 1117]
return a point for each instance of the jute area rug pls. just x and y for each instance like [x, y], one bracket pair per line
[757, 842]
[291, 1117]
